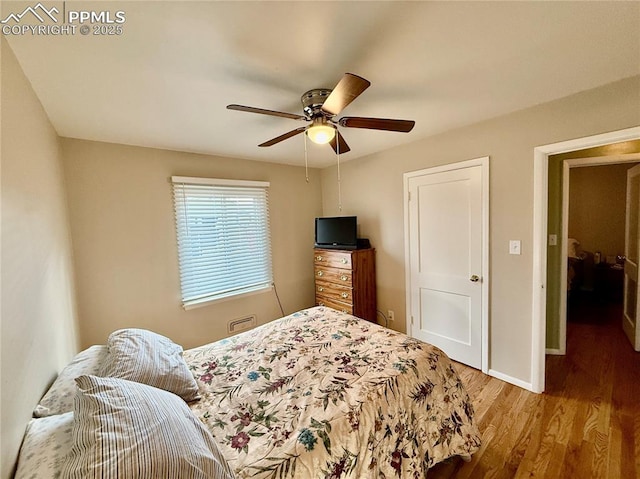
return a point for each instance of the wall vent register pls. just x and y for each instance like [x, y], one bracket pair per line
[241, 324]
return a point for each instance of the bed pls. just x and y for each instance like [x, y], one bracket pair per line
[316, 394]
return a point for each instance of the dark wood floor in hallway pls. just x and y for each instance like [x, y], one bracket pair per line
[585, 425]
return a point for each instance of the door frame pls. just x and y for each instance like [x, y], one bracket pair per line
[567, 165]
[540, 214]
[483, 162]
[633, 335]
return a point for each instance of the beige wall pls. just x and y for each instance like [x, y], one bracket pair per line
[38, 305]
[125, 251]
[372, 190]
[597, 197]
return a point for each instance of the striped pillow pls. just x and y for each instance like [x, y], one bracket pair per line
[146, 357]
[124, 429]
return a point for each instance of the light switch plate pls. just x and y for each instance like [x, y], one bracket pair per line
[514, 247]
[553, 240]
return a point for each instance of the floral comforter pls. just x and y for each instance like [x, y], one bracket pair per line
[322, 394]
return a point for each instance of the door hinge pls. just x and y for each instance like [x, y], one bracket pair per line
[411, 320]
[409, 196]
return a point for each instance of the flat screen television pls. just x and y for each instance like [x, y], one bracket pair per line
[339, 232]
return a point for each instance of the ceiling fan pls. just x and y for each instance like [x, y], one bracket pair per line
[320, 107]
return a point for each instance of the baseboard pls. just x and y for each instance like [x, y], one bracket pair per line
[554, 352]
[508, 379]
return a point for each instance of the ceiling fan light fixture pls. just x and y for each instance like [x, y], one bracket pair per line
[321, 133]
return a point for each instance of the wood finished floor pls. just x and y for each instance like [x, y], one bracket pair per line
[585, 425]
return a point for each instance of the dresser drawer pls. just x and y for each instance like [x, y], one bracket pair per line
[344, 307]
[333, 291]
[345, 280]
[333, 275]
[334, 259]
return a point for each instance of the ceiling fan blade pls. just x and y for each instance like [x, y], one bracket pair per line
[338, 141]
[347, 90]
[403, 126]
[280, 138]
[262, 111]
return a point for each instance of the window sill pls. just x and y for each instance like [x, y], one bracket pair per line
[207, 302]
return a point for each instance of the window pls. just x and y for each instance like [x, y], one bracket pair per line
[224, 248]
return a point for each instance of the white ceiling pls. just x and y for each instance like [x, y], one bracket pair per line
[166, 80]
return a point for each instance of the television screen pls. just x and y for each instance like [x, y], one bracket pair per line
[337, 232]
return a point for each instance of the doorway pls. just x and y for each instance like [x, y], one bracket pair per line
[592, 239]
[594, 199]
[540, 281]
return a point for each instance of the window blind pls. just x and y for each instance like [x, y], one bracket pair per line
[224, 246]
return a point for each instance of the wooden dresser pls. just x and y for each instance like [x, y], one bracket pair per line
[346, 281]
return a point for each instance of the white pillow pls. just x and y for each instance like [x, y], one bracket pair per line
[123, 429]
[46, 443]
[59, 398]
[149, 358]
[573, 246]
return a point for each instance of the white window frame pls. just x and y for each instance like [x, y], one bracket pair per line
[193, 293]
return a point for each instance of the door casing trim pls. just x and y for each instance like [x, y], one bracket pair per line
[483, 162]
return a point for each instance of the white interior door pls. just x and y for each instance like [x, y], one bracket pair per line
[446, 216]
[632, 253]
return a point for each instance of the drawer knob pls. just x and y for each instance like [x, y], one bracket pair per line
[321, 289]
[344, 311]
[320, 303]
[319, 273]
[345, 295]
[318, 258]
[343, 260]
[344, 277]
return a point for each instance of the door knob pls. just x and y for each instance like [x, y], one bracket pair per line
[475, 278]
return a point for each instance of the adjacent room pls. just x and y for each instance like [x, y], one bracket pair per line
[320, 239]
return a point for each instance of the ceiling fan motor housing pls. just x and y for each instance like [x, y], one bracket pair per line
[313, 100]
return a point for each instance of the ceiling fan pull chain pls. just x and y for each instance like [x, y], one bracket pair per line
[306, 160]
[339, 178]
